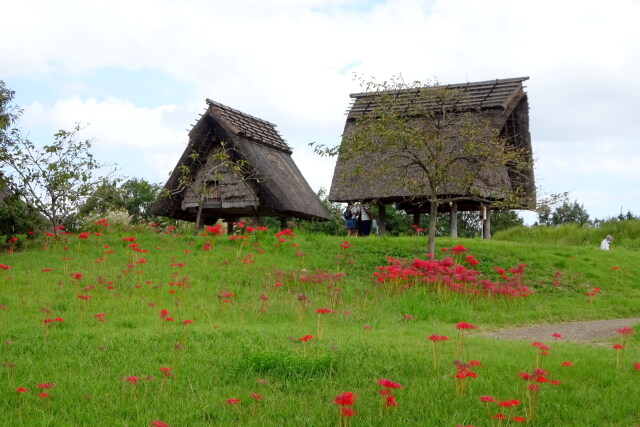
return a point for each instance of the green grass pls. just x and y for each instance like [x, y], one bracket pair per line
[251, 343]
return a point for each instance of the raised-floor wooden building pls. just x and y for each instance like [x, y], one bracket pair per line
[236, 165]
[502, 103]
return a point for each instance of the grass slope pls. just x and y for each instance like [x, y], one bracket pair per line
[239, 308]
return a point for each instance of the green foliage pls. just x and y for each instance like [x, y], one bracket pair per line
[251, 343]
[567, 213]
[16, 217]
[134, 196]
[626, 234]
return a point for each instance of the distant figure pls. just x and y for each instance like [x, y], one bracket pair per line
[365, 219]
[350, 221]
[605, 243]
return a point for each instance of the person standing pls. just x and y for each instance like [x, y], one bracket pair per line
[365, 219]
[604, 245]
[350, 221]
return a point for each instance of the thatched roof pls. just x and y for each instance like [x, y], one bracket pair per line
[271, 186]
[502, 102]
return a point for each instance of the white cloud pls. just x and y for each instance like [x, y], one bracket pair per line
[290, 62]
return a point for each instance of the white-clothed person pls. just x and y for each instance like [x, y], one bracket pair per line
[605, 243]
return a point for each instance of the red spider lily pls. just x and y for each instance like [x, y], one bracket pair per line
[44, 270]
[437, 338]
[129, 239]
[408, 317]
[21, 390]
[345, 399]
[84, 297]
[164, 313]
[345, 245]
[471, 260]
[324, 311]
[46, 385]
[133, 380]
[618, 347]
[499, 416]
[569, 364]
[305, 338]
[256, 396]
[486, 399]
[625, 331]
[636, 366]
[388, 383]
[390, 400]
[464, 325]
[508, 403]
[556, 335]
[99, 317]
[165, 371]
[233, 401]
[4, 267]
[187, 322]
[347, 412]
[76, 276]
[43, 395]
[158, 423]
[519, 419]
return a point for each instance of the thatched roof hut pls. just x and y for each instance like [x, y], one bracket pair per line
[271, 185]
[502, 102]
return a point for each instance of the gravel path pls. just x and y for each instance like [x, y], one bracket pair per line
[584, 332]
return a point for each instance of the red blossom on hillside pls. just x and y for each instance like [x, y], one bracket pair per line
[345, 399]
[305, 338]
[625, 331]
[464, 325]
[388, 383]
[324, 311]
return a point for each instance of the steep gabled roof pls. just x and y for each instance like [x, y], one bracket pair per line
[249, 127]
[276, 188]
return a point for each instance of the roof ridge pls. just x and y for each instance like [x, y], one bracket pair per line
[226, 107]
[450, 85]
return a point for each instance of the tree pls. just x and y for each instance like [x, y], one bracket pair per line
[55, 179]
[434, 149]
[567, 213]
[135, 196]
[223, 167]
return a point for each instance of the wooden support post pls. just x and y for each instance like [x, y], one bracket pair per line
[486, 224]
[453, 220]
[416, 218]
[230, 224]
[382, 219]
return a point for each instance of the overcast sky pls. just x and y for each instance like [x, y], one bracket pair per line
[138, 73]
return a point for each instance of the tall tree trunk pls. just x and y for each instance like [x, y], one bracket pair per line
[433, 219]
[199, 219]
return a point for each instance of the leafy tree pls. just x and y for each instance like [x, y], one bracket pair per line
[16, 217]
[567, 213]
[135, 196]
[55, 179]
[444, 149]
[503, 220]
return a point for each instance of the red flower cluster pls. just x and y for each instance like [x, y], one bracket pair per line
[345, 401]
[437, 338]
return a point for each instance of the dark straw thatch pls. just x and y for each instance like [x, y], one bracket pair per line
[273, 187]
[503, 102]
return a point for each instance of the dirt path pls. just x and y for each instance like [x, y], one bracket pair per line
[584, 332]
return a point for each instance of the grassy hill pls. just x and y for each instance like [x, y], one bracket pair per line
[139, 326]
